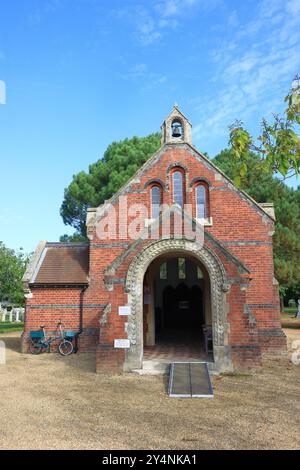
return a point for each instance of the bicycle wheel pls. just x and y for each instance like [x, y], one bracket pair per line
[65, 348]
[35, 348]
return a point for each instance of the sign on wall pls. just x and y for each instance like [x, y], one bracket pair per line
[122, 343]
[126, 310]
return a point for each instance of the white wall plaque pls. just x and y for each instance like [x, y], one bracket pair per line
[126, 310]
[122, 343]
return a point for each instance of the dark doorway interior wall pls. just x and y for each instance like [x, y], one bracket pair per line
[179, 314]
[182, 307]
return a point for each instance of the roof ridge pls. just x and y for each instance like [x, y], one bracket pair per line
[208, 160]
[67, 245]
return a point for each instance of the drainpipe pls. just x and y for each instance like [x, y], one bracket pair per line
[83, 289]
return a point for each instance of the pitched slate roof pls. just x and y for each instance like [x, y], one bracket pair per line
[62, 263]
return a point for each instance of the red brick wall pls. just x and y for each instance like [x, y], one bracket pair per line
[237, 223]
[50, 305]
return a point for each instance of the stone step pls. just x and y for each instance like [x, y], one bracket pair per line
[151, 367]
[152, 364]
[148, 372]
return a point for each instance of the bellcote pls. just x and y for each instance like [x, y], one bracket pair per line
[176, 129]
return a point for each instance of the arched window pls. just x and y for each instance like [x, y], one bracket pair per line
[199, 273]
[178, 187]
[181, 268]
[155, 195]
[201, 196]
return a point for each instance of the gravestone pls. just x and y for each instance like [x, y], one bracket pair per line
[19, 314]
[16, 315]
[3, 311]
[22, 314]
[2, 353]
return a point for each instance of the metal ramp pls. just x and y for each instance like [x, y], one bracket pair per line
[190, 379]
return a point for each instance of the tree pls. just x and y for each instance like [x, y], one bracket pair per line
[12, 268]
[75, 238]
[263, 187]
[120, 161]
[277, 146]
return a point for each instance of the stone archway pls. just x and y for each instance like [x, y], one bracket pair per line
[219, 288]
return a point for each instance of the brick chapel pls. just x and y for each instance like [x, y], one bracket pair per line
[208, 293]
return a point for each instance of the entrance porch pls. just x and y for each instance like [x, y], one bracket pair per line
[177, 312]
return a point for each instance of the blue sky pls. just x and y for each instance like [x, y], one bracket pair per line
[80, 74]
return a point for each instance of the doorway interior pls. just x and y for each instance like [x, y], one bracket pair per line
[177, 310]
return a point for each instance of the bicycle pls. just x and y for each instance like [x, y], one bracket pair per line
[40, 342]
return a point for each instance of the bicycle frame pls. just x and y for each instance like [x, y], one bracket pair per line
[46, 342]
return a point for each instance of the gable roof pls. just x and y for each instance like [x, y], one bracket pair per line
[176, 110]
[152, 160]
[241, 192]
[59, 264]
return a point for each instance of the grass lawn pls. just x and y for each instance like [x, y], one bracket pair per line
[290, 311]
[288, 319]
[7, 326]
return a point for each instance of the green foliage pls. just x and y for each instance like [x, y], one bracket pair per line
[12, 268]
[263, 187]
[278, 145]
[293, 292]
[120, 161]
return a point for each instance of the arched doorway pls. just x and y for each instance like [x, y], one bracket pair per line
[176, 308]
[218, 288]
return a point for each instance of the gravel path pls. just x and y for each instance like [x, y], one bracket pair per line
[51, 402]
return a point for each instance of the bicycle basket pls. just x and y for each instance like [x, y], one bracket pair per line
[36, 334]
[70, 334]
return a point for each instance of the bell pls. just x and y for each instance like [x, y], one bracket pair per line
[176, 131]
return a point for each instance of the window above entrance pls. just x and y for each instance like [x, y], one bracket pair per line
[200, 274]
[201, 202]
[178, 186]
[181, 268]
[155, 196]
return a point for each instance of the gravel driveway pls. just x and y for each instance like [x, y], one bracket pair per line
[51, 402]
